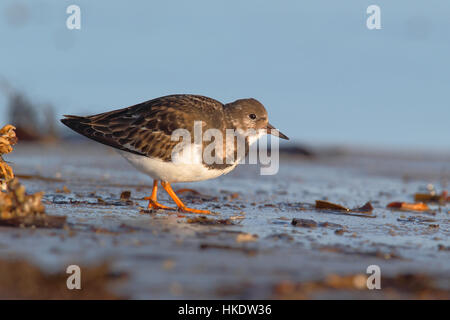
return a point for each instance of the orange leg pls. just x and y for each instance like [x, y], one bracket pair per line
[152, 203]
[181, 206]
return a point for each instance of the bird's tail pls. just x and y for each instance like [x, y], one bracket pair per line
[78, 124]
[91, 128]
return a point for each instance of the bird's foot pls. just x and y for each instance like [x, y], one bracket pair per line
[153, 205]
[190, 210]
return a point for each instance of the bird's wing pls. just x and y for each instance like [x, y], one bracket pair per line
[146, 128]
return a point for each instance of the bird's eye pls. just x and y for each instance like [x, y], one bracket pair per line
[252, 116]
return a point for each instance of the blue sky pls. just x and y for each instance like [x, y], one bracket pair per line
[323, 76]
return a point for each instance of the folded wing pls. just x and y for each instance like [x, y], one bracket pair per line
[146, 128]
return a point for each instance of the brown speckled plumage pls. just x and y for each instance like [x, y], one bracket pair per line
[146, 128]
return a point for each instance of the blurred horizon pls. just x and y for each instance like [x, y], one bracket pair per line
[324, 78]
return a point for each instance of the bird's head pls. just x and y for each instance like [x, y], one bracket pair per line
[250, 114]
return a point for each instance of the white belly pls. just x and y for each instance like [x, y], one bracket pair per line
[173, 171]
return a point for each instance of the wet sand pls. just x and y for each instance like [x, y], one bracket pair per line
[250, 249]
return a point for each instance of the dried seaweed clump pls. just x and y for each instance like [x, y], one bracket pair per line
[7, 140]
[15, 203]
[18, 209]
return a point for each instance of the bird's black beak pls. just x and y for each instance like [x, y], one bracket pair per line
[273, 131]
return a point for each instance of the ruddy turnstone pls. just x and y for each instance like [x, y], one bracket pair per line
[143, 134]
